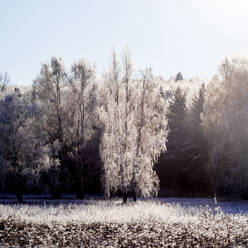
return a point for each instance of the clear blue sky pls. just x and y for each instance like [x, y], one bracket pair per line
[191, 36]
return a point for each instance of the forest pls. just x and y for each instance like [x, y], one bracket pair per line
[126, 132]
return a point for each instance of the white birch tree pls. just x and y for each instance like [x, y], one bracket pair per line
[133, 115]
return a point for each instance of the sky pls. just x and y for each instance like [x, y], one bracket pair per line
[191, 36]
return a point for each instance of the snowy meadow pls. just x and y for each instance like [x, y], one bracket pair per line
[167, 222]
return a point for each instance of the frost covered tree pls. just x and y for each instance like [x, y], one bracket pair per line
[13, 115]
[23, 152]
[68, 102]
[49, 89]
[50, 94]
[151, 128]
[109, 106]
[225, 123]
[4, 80]
[132, 113]
[196, 173]
[83, 104]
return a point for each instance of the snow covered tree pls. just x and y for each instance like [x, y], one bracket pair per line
[83, 104]
[23, 153]
[225, 123]
[13, 115]
[133, 115]
[109, 108]
[4, 80]
[49, 91]
[151, 137]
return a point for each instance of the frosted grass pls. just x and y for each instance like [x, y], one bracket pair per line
[151, 223]
[100, 211]
[113, 211]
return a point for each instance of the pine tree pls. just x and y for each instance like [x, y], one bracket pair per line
[171, 163]
[179, 77]
[196, 174]
[176, 123]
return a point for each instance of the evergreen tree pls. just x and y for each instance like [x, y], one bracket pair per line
[171, 163]
[179, 77]
[176, 123]
[196, 174]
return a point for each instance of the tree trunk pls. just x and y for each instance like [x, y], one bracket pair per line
[56, 192]
[124, 198]
[215, 199]
[80, 187]
[19, 197]
[80, 193]
[134, 197]
[2, 184]
[56, 195]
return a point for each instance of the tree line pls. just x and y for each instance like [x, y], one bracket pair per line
[125, 133]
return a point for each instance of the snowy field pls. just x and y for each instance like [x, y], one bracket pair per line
[174, 222]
